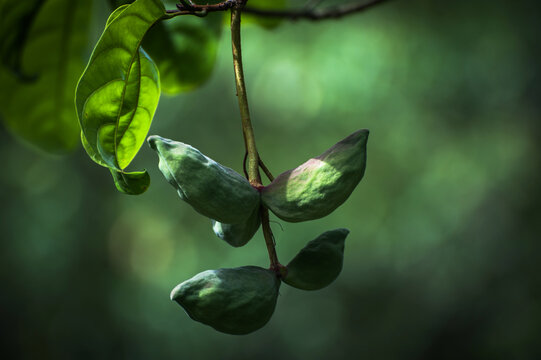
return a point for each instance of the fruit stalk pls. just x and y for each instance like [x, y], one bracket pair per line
[269, 240]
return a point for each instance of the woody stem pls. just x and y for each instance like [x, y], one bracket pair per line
[252, 157]
[247, 130]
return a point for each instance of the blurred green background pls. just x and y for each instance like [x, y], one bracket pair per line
[443, 258]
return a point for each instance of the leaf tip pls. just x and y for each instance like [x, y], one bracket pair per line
[131, 183]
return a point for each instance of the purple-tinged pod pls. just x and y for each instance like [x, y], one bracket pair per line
[320, 185]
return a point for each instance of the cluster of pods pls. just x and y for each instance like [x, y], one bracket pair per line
[242, 300]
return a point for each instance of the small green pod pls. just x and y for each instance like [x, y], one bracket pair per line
[213, 190]
[320, 185]
[319, 263]
[238, 235]
[234, 301]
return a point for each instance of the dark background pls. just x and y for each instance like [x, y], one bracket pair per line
[443, 257]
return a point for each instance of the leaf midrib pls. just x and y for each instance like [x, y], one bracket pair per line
[136, 53]
[116, 139]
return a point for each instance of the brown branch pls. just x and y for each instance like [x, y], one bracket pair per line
[315, 14]
[224, 5]
[187, 7]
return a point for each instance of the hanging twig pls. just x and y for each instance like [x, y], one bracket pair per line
[311, 13]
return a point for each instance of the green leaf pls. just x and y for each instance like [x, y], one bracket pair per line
[116, 3]
[117, 11]
[17, 19]
[131, 183]
[41, 111]
[266, 22]
[184, 49]
[90, 151]
[319, 263]
[119, 90]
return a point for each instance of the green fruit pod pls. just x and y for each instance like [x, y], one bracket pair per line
[320, 185]
[238, 234]
[319, 263]
[234, 301]
[213, 190]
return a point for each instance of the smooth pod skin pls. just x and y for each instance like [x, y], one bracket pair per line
[213, 190]
[234, 301]
[238, 234]
[319, 263]
[320, 185]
